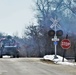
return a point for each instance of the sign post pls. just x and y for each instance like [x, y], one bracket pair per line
[54, 32]
[65, 44]
[55, 39]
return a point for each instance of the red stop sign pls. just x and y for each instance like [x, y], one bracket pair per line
[65, 43]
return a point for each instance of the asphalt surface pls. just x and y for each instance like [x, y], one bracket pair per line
[33, 66]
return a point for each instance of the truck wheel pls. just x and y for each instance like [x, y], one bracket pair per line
[0, 56]
[17, 56]
[13, 56]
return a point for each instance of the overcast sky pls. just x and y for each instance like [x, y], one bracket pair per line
[14, 15]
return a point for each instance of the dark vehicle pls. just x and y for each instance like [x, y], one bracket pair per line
[8, 46]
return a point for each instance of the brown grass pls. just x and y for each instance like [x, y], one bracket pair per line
[47, 61]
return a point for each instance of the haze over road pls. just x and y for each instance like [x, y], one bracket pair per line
[33, 66]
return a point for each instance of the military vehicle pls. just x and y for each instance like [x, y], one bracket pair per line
[8, 46]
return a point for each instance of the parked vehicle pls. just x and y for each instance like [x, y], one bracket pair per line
[8, 46]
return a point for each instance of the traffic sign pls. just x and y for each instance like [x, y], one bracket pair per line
[55, 42]
[65, 44]
[55, 38]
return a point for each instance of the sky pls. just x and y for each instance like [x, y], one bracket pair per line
[15, 15]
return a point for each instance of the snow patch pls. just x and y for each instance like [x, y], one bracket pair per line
[6, 56]
[58, 60]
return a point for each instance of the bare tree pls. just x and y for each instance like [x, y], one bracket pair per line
[47, 9]
[34, 34]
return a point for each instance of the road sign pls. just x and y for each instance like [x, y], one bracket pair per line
[55, 42]
[65, 44]
[55, 38]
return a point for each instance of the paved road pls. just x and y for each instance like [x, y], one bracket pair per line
[29, 66]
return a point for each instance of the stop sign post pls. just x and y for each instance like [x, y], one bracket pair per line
[65, 44]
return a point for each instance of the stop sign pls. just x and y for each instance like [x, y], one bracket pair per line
[65, 43]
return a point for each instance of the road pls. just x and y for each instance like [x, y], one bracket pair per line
[32, 66]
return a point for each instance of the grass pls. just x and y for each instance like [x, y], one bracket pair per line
[47, 61]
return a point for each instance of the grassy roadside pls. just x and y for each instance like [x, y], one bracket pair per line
[47, 61]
